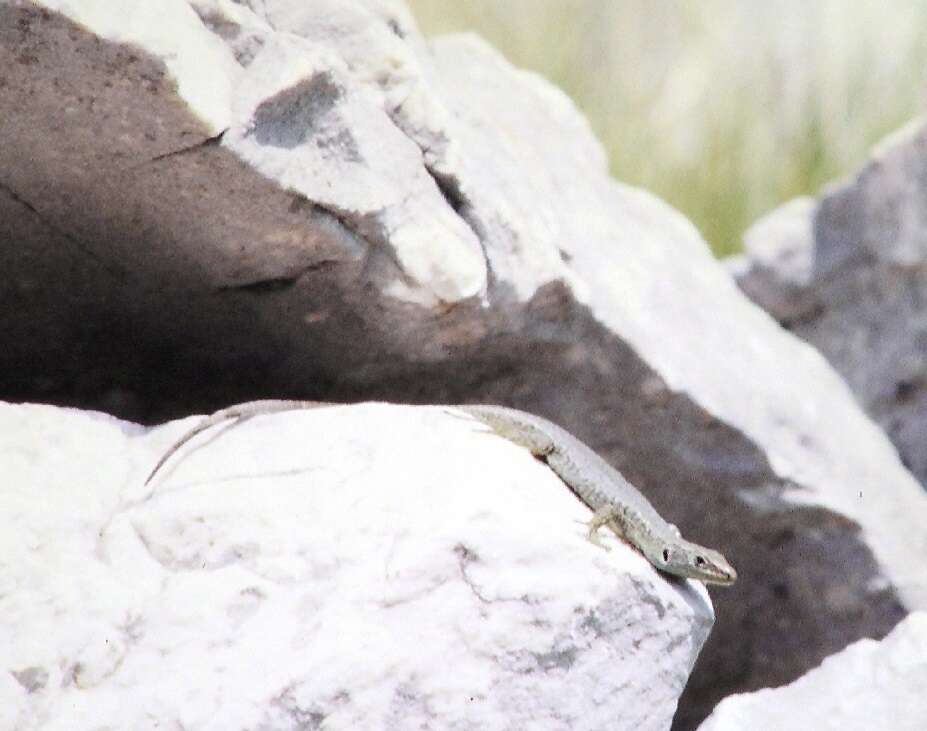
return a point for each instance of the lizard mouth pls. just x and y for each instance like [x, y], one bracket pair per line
[722, 578]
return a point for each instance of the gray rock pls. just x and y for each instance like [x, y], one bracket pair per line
[208, 202]
[777, 265]
[866, 687]
[859, 293]
[365, 577]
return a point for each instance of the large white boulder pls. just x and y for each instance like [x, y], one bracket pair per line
[360, 567]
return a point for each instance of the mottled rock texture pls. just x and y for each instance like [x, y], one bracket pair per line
[399, 569]
[848, 273]
[207, 202]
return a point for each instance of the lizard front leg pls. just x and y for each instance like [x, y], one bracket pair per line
[605, 515]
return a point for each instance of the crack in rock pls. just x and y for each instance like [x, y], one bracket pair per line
[277, 284]
[447, 183]
[213, 141]
[449, 186]
[465, 557]
[107, 266]
[290, 714]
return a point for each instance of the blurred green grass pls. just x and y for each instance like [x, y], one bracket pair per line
[724, 108]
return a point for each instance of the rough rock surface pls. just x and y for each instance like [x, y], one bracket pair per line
[869, 686]
[848, 273]
[205, 202]
[396, 568]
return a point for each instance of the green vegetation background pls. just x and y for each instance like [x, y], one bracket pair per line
[724, 108]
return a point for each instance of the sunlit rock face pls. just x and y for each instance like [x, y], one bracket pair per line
[370, 566]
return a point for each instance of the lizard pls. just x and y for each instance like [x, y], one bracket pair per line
[615, 502]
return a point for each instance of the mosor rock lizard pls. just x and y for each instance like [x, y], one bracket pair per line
[616, 503]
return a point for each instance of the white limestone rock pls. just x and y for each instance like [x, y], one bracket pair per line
[281, 85]
[356, 567]
[869, 686]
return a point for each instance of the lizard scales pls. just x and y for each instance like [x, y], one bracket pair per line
[617, 504]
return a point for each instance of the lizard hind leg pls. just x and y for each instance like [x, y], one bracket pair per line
[605, 515]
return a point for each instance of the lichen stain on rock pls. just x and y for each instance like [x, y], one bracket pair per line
[293, 116]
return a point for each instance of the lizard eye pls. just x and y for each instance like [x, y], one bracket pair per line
[699, 561]
[666, 554]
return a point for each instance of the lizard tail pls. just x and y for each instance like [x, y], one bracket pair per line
[239, 412]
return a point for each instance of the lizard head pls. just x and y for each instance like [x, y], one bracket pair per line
[693, 561]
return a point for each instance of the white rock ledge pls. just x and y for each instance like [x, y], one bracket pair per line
[356, 567]
[869, 686]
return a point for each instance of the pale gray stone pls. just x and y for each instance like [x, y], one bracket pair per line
[860, 291]
[777, 265]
